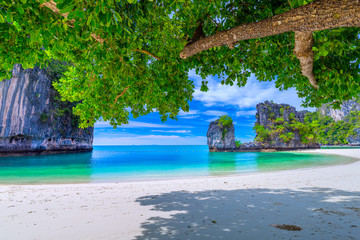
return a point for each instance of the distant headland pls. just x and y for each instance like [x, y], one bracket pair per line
[279, 127]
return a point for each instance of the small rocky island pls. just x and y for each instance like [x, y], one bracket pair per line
[279, 127]
[33, 119]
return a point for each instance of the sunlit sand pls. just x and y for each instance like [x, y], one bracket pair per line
[324, 202]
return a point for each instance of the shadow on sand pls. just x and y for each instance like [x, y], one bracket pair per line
[251, 213]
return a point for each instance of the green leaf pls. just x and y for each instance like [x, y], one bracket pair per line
[117, 16]
[20, 9]
[67, 9]
[9, 17]
[323, 51]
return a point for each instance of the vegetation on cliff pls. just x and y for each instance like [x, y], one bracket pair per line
[315, 128]
[333, 132]
[285, 130]
[224, 123]
[61, 109]
[137, 54]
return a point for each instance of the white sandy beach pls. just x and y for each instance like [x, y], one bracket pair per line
[324, 202]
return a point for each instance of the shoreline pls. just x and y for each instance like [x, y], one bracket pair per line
[323, 201]
[197, 177]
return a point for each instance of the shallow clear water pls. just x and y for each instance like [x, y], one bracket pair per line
[130, 163]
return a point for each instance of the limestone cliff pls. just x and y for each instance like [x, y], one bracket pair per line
[280, 126]
[220, 137]
[340, 114]
[267, 112]
[354, 138]
[344, 114]
[32, 119]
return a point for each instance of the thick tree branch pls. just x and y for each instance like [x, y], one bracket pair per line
[303, 51]
[315, 16]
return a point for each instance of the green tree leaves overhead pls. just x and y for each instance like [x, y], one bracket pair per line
[125, 54]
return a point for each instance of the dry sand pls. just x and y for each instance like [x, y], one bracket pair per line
[324, 202]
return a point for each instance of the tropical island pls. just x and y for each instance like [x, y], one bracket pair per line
[279, 127]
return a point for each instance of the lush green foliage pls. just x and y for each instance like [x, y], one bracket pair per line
[225, 122]
[285, 130]
[61, 110]
[116, 77]
[333, 133]
[238, 143]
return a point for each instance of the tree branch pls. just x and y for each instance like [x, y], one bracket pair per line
[303, 51]
[123, 92]
[315, 16]
[147, 52]
[52, 6]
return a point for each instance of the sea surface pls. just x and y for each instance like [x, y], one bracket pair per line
[139, 163]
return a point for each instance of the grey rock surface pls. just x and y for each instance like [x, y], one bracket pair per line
[340, 114]
[33, 120]
[215, 139]
[267, 111]
[354, 139]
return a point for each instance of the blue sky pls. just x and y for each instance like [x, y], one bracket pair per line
[191, 127]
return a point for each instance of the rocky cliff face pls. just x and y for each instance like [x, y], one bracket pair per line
[266, 113]
[340, 114]
[277, 118]
[354, 139]
[220, 137]
[32, 119]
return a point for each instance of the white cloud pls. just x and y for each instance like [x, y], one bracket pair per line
[172, 131]
[214, 113]
[190, 117]
[246, 113]
[212, 119]
[251, 124]
[249, 96]
[135, 124]
[191, 114]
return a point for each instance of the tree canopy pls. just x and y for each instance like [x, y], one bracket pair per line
[135, 55]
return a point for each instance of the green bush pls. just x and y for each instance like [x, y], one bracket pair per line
[225, 121]
[285, 131]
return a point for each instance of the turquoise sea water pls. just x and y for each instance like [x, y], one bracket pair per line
[132, 163]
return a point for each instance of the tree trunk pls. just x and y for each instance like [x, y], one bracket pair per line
[303, 51]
